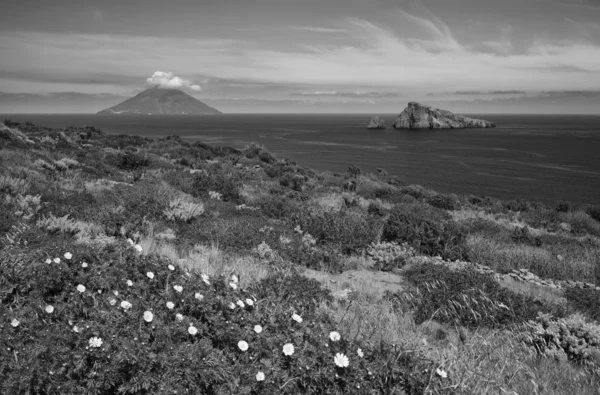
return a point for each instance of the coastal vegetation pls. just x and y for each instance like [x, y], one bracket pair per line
[131, 265]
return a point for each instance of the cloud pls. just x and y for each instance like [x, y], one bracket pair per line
[357, 94]
[167, 79]
[495, 92]
[318, 29]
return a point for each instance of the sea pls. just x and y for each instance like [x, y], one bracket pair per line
[546, 158]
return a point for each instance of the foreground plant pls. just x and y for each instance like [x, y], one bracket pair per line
[66, 328]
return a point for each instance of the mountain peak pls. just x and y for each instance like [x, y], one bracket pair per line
[160, 101]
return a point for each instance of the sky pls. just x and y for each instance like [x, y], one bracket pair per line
[367, 56]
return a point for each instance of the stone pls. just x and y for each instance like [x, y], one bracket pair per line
[376, 123]
[419, 116]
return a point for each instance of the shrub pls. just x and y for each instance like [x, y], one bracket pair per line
[351, 230]
[522, 235]
[467, 298]
[571, 338]
[594, 212]
[132, 161]
[563, 207]
[25, 206]
[217, 180]
[183, 209]
[427, 229]
[585, 300]
[581, 223]
[387, 256]
[13, 186]
[444, 202]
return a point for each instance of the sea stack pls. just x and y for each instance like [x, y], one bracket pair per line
[159, 101]
[419, 116]
[376, 123]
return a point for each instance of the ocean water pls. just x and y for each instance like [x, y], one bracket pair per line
[535, 157]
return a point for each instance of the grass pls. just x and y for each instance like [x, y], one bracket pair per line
[321, 265]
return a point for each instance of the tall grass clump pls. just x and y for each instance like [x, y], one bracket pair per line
[466, 298]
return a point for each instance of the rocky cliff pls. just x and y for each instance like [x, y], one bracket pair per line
[158, 101]
[419, 116]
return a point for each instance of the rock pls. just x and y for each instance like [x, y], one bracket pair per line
[565, 226]
[418, 116]
[376, 123]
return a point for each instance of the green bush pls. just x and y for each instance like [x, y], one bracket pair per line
[217, 179]
[351, 230]
[594, 212]
[571, 338]
[467, 298]
[389, 256]
[132, 161]
[427, 229]
[522, 235]
[444, 202]
[585, 300]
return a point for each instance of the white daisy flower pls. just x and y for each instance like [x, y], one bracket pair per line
[242, 345]
[171, 267]
[68, 255]
[15, 322]
[441, 373]
[288, 349]
[260, 376]
[257, 328]
[360, 353]
[116, 293]
[81, 288]
[138, 248]
[178, 288]
[56, 260]
[170, 305]
[95, 342]
[205, 278]
[148, 316]
[198, 296]
[76, 329]
[130, 241]
[84, 265]
[150, 275]
[341, 360]
[48, 261]
[249, 302]
[192, 330]
[112, 301]
[49, 309]
[231, 305]
[129, 283]
[296, 318]
[240, 303]
[125, 305]
[334, 336]
[179, 317]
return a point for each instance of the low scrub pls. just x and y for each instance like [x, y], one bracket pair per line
[352, 230]
[387, 256]
[112, 321]
[585, 300]
[573, 338]
[429, 230]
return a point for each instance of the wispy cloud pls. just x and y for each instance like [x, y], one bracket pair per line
[357, 94]
[317, 29]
